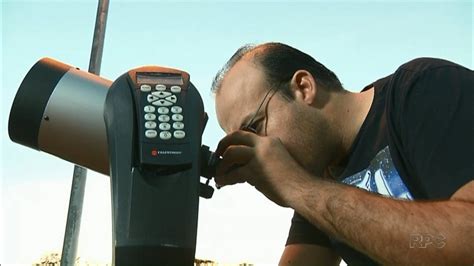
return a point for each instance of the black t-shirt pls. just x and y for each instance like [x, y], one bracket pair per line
[417, 142]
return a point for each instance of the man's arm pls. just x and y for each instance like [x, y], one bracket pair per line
[433, 131]
[392, 231]
[305, 254]
[385, 229]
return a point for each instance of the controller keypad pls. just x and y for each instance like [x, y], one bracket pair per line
[150, 116]
[162, 103]
[151, 133]
[150, 125]
[164, 126]
[165, 99]
[164, 118]
[165, 135]
[175, 89]
[161, 94]
[149, 109]
[177, 117]
[145, 88]
[163, 110]
[176, 109]
[160, 87]
[178, 125]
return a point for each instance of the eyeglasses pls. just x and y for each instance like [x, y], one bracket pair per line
[251, 127]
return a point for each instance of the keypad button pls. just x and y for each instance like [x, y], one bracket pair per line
[172, 99]
[176, 109]
[145, 88]
[164, 126]
[149, 109]
[160, 87]
[150, 116]
[164, 118]
[162, 103]
[151, 133]
[163, 110]
[151, 98]
[179, 134]
[165, 135]
[177, 117]
[161, 94]
[178, 125]
[176, 89]
[150, 125]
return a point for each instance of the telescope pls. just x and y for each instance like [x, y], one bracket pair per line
[144, 130]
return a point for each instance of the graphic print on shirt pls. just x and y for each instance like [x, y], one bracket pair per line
[381, 177]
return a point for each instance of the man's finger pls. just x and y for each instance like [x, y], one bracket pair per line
[235, 155]
[234, 177]
[238, 137]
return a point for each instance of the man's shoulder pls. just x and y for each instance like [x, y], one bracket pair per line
[408, 73]
[422, 64]
[413, 74]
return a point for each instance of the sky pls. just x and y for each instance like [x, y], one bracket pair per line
[361, 41]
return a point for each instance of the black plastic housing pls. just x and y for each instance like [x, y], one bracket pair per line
[155, 209]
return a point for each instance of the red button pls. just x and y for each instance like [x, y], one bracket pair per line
[154, 152]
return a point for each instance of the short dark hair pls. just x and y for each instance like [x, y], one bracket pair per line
[279, 62]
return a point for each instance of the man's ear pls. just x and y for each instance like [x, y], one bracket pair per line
[304, 86]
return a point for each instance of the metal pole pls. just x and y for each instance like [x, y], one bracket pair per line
[99, 36]
[73, 224]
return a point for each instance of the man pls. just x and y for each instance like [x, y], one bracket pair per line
[381, 176]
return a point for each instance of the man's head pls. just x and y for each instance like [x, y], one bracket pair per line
[279, 62]
[291, 89]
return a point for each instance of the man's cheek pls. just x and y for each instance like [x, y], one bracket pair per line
[294, 150]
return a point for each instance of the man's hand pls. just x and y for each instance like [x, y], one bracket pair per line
[344, 212]
[260, 161]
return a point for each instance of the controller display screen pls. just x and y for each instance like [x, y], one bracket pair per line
[159, 78]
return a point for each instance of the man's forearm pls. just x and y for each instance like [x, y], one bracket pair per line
[390, 231]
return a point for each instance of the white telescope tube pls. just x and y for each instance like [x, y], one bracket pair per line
[59, 109]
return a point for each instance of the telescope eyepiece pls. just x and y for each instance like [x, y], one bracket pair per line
[209, 162]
